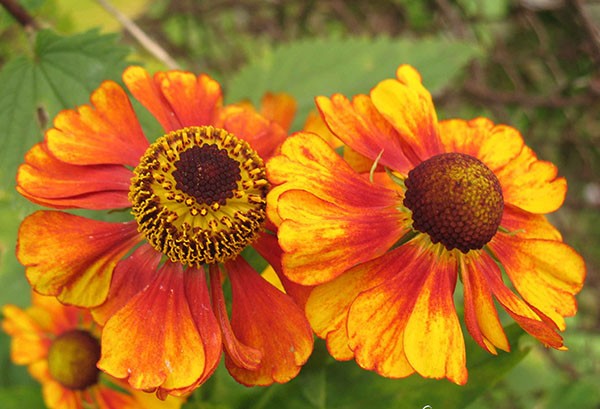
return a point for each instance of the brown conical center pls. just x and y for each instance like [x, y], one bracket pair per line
[72, 359]
[456, 200]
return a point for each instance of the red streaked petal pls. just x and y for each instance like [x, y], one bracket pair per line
[378, 315]
[494, 145]
[108, 398]
[107, 133]
[241, 355]
[208, 327]
[264, 136]
[321, 240]
[528, 225]
[45, 180]
[144, 89]
[131, 275]
[175, 98]
[268, 320]
[360, 126]
[407, 105]
[268, 247]
[529, 319]
[532, 184]
[195, 100]
[395, 328]
[307, 162]
[328, 304]
[481, 316]
[72, 257]
[546, 273]
[433, 325]
[144, 340]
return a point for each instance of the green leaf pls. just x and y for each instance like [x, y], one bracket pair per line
[21, 397]
[61, 73]
[309, 68]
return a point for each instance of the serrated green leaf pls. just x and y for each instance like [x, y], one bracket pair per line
[309, 68]
[61, 73]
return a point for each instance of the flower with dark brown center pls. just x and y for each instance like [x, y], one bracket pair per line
[455, 199]
[198, 195]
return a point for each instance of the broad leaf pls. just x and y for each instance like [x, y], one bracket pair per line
[349, 66]
[61, 73]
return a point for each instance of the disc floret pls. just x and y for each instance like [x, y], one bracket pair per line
[198, 195]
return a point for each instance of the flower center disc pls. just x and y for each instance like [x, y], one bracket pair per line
[198, 195]
[72, 359]
[456, 199]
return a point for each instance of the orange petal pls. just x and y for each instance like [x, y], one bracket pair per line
[131, 275]
[481, 316]
[144, 340]
[57, 396]
[280, 108]
[315, 124]
[362, 127]
[268, 320]
[407, 105]
[30, 341]
[321, 240]
[268, 247]
[55, 317]
[328, 304]
[530, 320]
[546, 273]
[264, 136]
[531, 184]
[528, 225]
[72, 257]
[307, 162]
[433, 325]
[240, 354]
[208, 327]
[105, 397]
[494, 145]
[175, 98]
[45, 180]
[409, 323]
[107, 133]
[194, 100]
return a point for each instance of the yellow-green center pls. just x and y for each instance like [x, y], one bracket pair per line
[72, 359]
[456, 199]
[198, 195]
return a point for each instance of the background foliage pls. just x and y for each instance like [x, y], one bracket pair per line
[532, 64]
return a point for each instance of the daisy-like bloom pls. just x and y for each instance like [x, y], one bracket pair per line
[385, 248]
[198, 197]
[60, 346]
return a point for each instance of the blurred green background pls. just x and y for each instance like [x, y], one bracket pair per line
[533, 64]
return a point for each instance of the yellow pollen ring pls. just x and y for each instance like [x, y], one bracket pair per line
[198, 195]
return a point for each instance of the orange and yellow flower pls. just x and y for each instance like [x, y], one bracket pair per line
[385, 248]
[60, 345]
[198, 198]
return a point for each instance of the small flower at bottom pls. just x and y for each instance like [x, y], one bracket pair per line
[60, 345]
[385, 248]
[198, 198]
